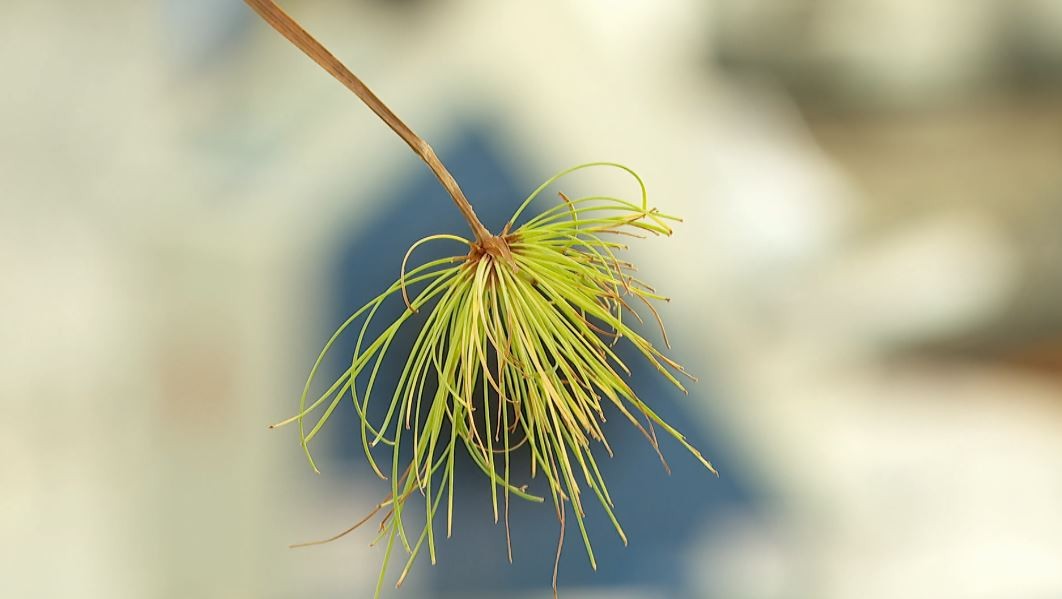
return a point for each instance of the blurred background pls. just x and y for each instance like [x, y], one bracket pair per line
[867, 282]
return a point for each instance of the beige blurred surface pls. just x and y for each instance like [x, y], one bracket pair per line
[870, 264]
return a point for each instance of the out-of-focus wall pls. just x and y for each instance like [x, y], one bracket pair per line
[867, 277]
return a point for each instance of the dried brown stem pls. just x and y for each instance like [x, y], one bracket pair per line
[290, 28]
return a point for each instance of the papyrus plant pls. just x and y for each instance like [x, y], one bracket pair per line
[514, 353]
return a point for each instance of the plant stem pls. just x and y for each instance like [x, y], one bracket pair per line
[290, 28]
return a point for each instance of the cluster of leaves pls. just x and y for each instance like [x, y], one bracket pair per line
[518, 343]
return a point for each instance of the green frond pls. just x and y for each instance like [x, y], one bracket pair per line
[532, 337]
